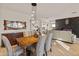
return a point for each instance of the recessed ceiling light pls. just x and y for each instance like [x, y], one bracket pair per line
[74, 12]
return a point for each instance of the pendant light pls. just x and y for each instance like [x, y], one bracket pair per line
[33, 18]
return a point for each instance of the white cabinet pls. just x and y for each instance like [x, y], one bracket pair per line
[66, 36]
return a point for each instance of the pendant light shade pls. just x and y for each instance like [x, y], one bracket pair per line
[34, 4]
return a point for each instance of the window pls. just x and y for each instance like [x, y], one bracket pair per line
[53, 25]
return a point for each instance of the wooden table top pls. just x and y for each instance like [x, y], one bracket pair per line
[26, 41]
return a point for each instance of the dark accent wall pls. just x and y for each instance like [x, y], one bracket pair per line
[60, 24]
[73, 25]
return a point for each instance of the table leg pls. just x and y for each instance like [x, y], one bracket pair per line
[25, 54]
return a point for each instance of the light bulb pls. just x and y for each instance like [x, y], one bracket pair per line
[33, 22]
[32, 15]
[33, 11]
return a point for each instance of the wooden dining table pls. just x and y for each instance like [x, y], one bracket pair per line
[24, 42]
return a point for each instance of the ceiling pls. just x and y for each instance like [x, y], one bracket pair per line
[44, 10]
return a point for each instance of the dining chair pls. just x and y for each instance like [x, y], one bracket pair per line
[48, 43]
[40, 45]
[9, 48]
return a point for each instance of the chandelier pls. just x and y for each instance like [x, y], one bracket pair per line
[33, 20]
